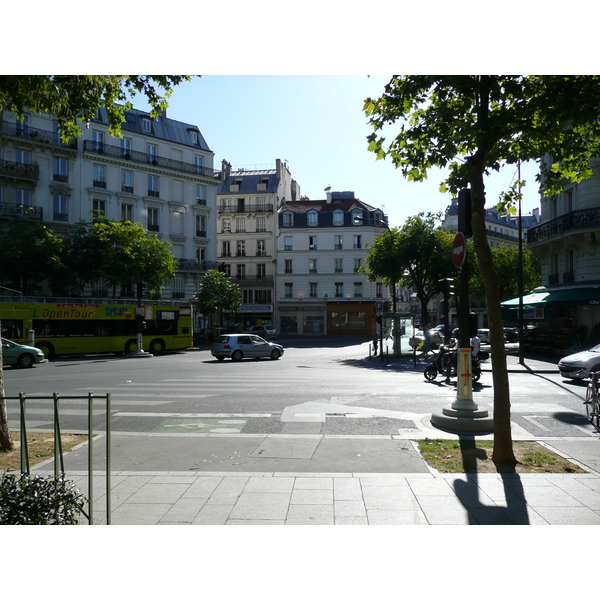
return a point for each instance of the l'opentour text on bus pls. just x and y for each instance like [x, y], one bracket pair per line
[82, 328]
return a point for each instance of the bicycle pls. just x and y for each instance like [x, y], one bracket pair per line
[592, 401]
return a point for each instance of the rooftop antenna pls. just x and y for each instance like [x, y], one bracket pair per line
[327, 188]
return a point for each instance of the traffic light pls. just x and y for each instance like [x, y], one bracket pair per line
[447, 287]
[464, 213]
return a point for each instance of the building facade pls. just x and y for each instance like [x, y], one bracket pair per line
[320, 248]
[247, 228]
[565, 310]
[159, 174]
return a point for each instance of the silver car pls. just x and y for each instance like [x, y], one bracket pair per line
[242, 345]
[577, 366]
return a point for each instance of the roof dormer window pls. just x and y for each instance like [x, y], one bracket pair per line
[313, 218]
[146, 125]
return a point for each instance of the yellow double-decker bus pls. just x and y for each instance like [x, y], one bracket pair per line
[86, 327]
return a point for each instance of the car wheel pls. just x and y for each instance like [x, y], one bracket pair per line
[237, 356]
[430, 373]
[476, 376]
[275, 354]
[25, 361]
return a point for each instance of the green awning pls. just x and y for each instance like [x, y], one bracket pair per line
[572, 297]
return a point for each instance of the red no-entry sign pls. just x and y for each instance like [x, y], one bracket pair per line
[459, 250]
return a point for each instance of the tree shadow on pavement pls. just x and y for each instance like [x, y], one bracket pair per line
[468, 492]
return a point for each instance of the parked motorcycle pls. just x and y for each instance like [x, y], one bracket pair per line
[444, 363]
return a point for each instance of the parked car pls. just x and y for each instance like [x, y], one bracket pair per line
[265, 331]
[241, 345]
[578, 365]
[418, 337]
[20, 356]
[483, 335]
[511, 334]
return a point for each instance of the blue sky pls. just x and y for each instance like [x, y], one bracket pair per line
[315, 124]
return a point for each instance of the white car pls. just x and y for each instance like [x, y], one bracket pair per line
[578, 365]
[241, 345]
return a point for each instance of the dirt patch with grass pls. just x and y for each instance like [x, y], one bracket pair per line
[40, 446]
[475, 456]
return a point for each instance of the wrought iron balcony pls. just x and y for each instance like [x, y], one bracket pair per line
[149, 159]
[199, 266]
[587, 218]
[245, 208]
[20, 210]
[9, 168]
[37, 135]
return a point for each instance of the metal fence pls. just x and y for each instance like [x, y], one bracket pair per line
[58, 452]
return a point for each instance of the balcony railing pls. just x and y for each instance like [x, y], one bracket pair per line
[37, 135]
[20, 210]
[9, 168]
[149, 159]
[199, 266]
[587, 218]
[245, 208]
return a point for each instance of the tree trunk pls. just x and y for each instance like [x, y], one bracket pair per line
[503, 450]
[6, 443]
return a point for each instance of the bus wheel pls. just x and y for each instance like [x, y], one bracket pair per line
[157, 346]
[130, 346]
[46, 348]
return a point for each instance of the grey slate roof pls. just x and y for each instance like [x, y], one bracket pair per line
[249, 181]
[162, 128]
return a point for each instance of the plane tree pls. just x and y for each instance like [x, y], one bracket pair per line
[217, 294]
[471, 125]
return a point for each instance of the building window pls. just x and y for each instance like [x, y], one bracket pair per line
[358, 289]
[226, 226]
[312, 265]
[261, 271]
[201, 253]
[60, 207]
[201, 194]
[357, 262]
[194, 137]
[240, 225]
[287, 243]
[313, 290]
[263, 296]
[23, 157]
[288, 267]
[146, 126]
[312, 242]
[261, 248]
[23, 126]
[227, 270]
[100, 176]
[178, 288]
[247, 297]
[313, 218]
[338, 242]
[289, 290]
[200, 226]
[261, 224]
[126, 148]
[153, 186]
[357, 217]
[339, 290]
[59, 169]
[22, 197]
[338, 218]
[241, 248]
[339, 265]
[288, 219]
[379, 290]
[241, 271]
[261, 202]
[127, 181]
[126, 212]
[356, 242]
[225, 248]
[226, 205]
[97, 141]
[98, 206]
[198, 163]
[152, 153]
[153, 219]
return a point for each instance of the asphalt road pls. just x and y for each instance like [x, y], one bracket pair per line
[309, 390]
